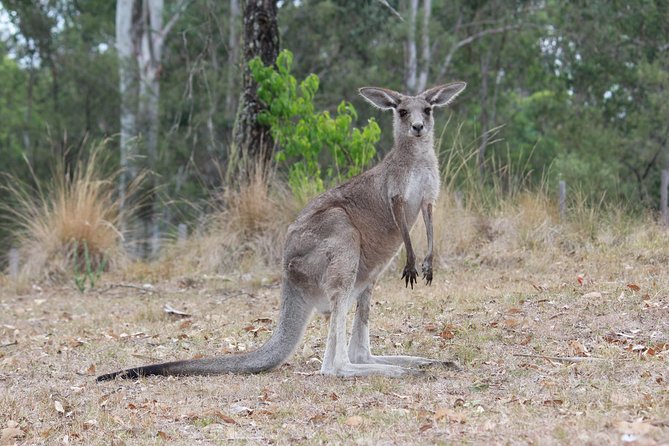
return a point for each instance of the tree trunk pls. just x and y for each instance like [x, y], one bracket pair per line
[664, 185]
[233, 58]
[261, 38]
[27, 116]
[484, 118]
[411, 62]
[426, 50]
[127, 92]
[140, 33]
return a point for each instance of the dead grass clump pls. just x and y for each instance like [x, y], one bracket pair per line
[471, 233]
[57, 223]
[246, 232]
[526, 227]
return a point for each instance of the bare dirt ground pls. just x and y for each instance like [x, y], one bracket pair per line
[554, 351]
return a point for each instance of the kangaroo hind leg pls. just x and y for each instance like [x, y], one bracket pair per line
[359, 350]
[338, 284]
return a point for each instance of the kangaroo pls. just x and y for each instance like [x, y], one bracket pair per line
[339, 245]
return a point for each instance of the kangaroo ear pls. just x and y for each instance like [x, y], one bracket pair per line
[381, 97]
[444, 94]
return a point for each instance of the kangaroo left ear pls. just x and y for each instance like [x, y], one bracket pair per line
[444, 94]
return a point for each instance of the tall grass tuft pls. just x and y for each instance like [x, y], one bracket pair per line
[54, 222]
[244, 232]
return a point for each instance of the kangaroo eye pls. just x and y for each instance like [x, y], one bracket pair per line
[427, 111]
[403, 113]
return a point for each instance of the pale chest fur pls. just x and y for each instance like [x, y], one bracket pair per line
[416, 185]
[422, 186]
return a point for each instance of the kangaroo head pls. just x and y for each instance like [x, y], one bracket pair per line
[412, 115]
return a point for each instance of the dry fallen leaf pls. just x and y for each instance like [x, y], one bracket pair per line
[226, 419]
[425, 427]
[553, 403]
[353, 421]
[185, 324]
[450, 415]
[59, 407]
[578, 348]
[318, 418]
[512, 323]
[9, 435]
[447, 334]
[633, 286]
[593, 295]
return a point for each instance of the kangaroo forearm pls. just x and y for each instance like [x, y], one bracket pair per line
[426, 208]
[401, 221]
[409, 274]
[427, 219]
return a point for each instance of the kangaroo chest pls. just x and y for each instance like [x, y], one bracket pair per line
[422, 185]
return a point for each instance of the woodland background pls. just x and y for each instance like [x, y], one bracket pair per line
[137, 227]
[573, 91]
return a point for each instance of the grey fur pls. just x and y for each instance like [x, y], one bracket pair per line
[339, 245]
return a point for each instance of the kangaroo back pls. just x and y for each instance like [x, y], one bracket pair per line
[293, 318]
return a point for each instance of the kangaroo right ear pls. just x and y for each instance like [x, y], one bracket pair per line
[381, 97]
[444, 94]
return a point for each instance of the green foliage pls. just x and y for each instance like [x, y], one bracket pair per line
[91, 270]
[302, 133]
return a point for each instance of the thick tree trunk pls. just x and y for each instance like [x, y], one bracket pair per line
[261, 38]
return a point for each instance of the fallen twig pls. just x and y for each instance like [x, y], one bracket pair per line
[146, 358]
[145, 289]
[173, 311]
[9, 344]
[572, 359]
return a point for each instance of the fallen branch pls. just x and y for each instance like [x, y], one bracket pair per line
[145, 289]
[9, 344]
[571, 359]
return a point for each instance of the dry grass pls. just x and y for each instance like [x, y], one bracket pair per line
[55, 222]
[245, 234]
[514, 288]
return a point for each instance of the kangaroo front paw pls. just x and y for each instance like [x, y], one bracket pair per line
[410, 275]
[427, 272]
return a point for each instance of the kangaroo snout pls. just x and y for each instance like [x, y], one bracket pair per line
[417, 128]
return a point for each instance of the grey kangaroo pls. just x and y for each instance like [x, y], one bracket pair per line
[339, 245]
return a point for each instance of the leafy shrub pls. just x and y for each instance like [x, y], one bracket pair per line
[302, 133]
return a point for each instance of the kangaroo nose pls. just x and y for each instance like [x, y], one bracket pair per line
[417, 126]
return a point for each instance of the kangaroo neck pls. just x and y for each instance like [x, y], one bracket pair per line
[411, 147]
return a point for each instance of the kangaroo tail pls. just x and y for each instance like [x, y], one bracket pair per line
[293, 319]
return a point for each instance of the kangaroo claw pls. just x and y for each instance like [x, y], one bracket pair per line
[410, 276]
[427, 273]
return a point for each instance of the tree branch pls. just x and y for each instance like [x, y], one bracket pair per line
[181, 7]
[469, 39]
[393, 10]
